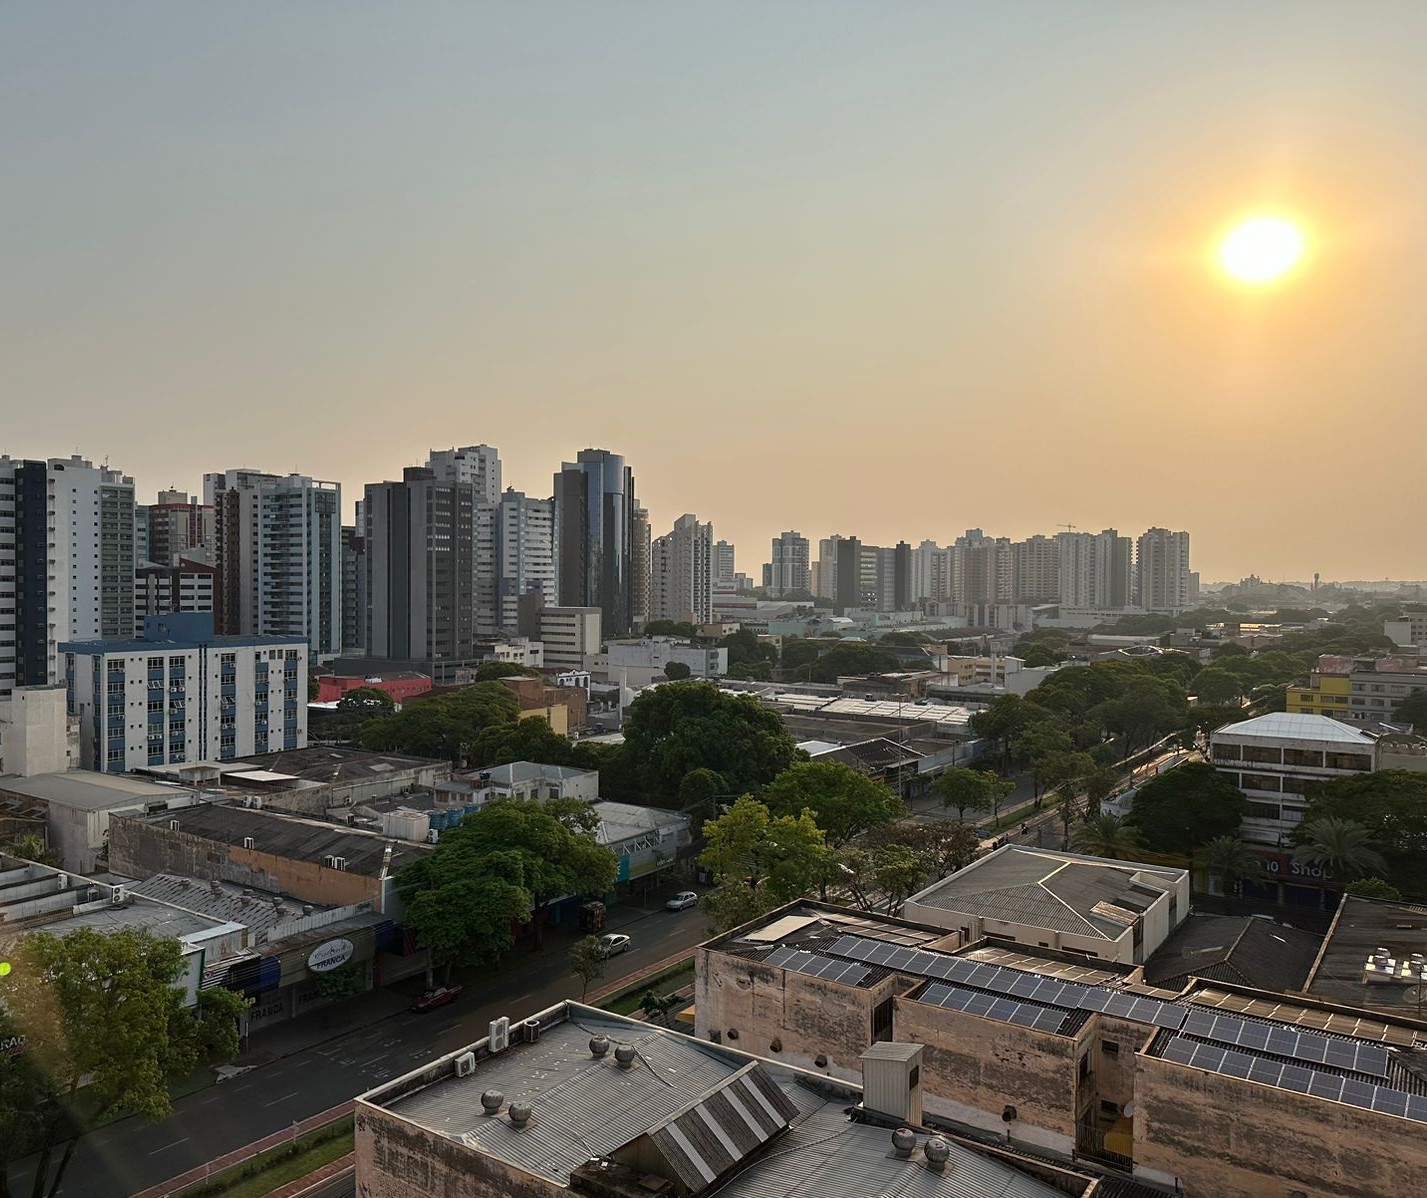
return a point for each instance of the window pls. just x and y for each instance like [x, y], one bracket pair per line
[1110, 1047]
[882, 1021]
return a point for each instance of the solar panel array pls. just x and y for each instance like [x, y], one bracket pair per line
[1308, 1047]
[1298, 1078]
[978, 1002]
[1011, 983]
[801, 961]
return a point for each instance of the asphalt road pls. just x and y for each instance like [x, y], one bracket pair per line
[132, 1155]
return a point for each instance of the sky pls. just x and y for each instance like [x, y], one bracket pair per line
[887, 269]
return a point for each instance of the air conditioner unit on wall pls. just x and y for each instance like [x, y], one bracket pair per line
[465, 1064]
[499, 1039]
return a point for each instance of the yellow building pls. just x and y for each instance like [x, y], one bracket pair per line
[1327, 690]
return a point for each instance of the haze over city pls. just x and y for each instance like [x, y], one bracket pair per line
[894, 277]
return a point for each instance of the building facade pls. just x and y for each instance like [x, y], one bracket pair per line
[595, 509]
[1164, 581]
[1096, 570]
[789, 568]
[681, 578]
[178, 526]
[354, 584]
[184, 586]
[524, 554]
[181, 693]
[1035, 567]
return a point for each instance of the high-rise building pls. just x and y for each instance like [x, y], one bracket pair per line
[1036, 570]
[723, 566]
[932, 575]
[185, 586]
[524, 554]
[594, 512]
[419, 557]
[66, 561]
[985, 568]
[1095, 570]
[640, 566]
[789, 570]
[354, 584]
[278, 549]
[477, 465]
[1163, 578]
[178, 527]
[902, 577]
[846, 572]
[681, 573]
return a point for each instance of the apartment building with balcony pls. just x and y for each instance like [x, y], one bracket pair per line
[181, 693]
[1277, 759]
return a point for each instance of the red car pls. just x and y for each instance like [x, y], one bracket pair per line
[436, 998]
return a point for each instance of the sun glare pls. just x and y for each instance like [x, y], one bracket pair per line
[1261, 250]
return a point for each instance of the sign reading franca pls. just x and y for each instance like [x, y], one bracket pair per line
[330, 954]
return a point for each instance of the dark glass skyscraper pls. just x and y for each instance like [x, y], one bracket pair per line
[594, 512]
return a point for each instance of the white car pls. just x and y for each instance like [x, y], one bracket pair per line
[685, 898]
[612, 943]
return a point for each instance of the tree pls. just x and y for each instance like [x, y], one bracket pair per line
[1374, 888]
[944, 846]
[314, 688]
[1107, 836]
[1098, 783]
[844, 802]
[733, 903]
[680, 629]
[367, 699]
[443, 726]
[881, 878]
[530, 739]
[103, 1009]
[494, 671]
[587, 962]
[746, 650]
[1065, 774]
[1006, 718]
[1216, 687]
[851, 658]
[677, 671]
[1393, 805]
[656, 1007]
[1343, 846]
[1185, 808]
[784, 856]
[496, 870]
[1037, 744]
[684, 726]
[965, 789]
[31, 847]
[1231, 861]
[1413, 710]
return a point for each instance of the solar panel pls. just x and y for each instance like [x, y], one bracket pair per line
[1004, 1010]
[1308, 1047]
[798, 960]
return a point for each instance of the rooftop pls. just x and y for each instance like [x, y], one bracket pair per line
[713, 1120]
[90, 790]
[1361, 927]
[1234, 948]
[221, 900]
[515, 773]
[624, 821]
[313, 765]
[1286, 725]
[1063, 892]
[292, 836]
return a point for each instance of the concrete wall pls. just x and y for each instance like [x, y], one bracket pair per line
[397, 1159]
[1121, 951]
[37, 735]
[141, 849]
[1226, 1138]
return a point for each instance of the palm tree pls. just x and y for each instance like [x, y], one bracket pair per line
[31, 847]
[1341, 845]
[1107, 835]
[1231, 861]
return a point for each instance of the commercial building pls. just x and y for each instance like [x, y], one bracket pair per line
[789, 569]
[1114, 911]
[1409, 631]
[181, 693]
[681, 578]
[420, 561]
[1327, 690]
[575, 1101]
[186, 586]
[1247, 950]
[1163, 579]
[66, 562]
[1277, 759]
[177, 527]
[1378, 686]
[643, 662]
[279, 556]
[37, 733]
[570, 635]
[524, 554]
[1375, 957]
[594, 512]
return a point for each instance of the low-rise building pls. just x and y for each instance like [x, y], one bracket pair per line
[569, 636]
[1409, 631]
[640, 663]
[1249, 950]
[1374, 956]
[1277, 759]
[644, 840]
[1327, 690]
[1379, 686]
[1102, 910]
[37, 733]
[401, 685]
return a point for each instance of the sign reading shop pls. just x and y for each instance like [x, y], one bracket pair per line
[329, 955]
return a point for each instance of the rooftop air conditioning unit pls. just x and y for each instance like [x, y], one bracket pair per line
[433, 836]
[530, 1030]
[465, 1064]
[118, 898]
[499, 1039]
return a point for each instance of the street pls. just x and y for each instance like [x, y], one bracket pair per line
[131, 1155]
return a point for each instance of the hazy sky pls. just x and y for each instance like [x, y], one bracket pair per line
[890, 269]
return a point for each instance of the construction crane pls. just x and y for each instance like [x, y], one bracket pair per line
[1067, 527]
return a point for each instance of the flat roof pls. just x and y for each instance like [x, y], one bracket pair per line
[137, 644]
[159, 920]
[1288, 725]
[1062, 892]
[325, 763]
[90, 790]
[1361, 927]
[222, 901]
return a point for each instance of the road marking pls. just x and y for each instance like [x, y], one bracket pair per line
[166, 1147]
[284, 1098]
[373, 1061]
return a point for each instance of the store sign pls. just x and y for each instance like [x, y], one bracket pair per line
[12, 1046]
[332, 954]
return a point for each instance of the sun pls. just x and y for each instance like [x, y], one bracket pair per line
[1261, 250]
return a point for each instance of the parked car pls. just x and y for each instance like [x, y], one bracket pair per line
[612, 943]
[436, 998]
[685, 898]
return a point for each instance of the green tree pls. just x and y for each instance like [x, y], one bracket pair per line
[746, 650]
[656, 1007]
[733, 903]
[1107, 836]
[677, 671]
[881, 878]
[1374, 888]
[314, 688]
[587, 962]
[684, 726]
[1413, 710]
[1343, 846]
[1006, 719]
[784, 856]
[530, 739]
[943, 846]
[1216, 687]
[1038, 744]
[443, 726]
[31, 847]
[844, 802]
[494, 671]
[1098, 783]
[964, 789]
[367, 700]
[1231, 861]
[680, 629]
[1186, 807]
[851, 659]
[497, 869]
[1393, 805]
[105, 1010]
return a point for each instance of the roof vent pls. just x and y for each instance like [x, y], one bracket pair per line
[492, 1101]
[519, 1113]
[624, 1056]
[904, 1139]
[937, 1152]
[599, 1046]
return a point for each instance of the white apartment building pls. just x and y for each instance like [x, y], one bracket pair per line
[181, 693]
[1408, 631]
[1095, 570]
[724, 573]
[1276, 759]
[278, 549]
[1035, 564]
[933, 577]
[641, 663]
[524, 554]
[1164, 581]
[476, 465]
[789, 568]
[570, 635]
[67, 532]
[681, 573]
